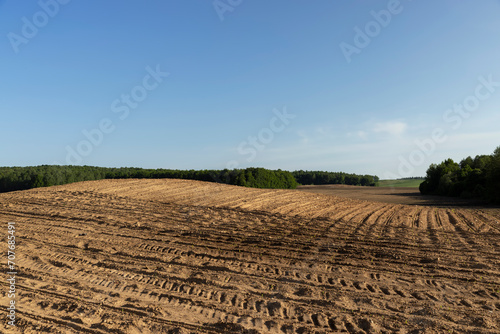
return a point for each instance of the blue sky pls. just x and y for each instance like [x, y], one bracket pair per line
[69, 67]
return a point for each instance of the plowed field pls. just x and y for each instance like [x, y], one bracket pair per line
[178, 256]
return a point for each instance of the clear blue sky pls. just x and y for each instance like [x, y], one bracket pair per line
[233, 68]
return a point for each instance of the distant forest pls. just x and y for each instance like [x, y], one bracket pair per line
[471, 178]
[317, 177]
[22, 178]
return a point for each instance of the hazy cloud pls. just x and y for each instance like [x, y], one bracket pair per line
[304, 139]
[362, 134]
[395, 128]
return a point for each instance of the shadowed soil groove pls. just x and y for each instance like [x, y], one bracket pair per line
[179, 256]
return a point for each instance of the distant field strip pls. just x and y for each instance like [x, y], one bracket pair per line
[407, 183]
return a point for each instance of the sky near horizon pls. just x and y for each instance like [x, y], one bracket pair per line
[378, 87]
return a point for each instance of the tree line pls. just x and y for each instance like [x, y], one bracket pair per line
[319, 178]
[412, 178]
[477, 177]
[22, 178]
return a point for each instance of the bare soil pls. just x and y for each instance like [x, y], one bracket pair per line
[395, 195]
[179, 256]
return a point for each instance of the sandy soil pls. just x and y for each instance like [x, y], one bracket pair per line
[178, 256]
